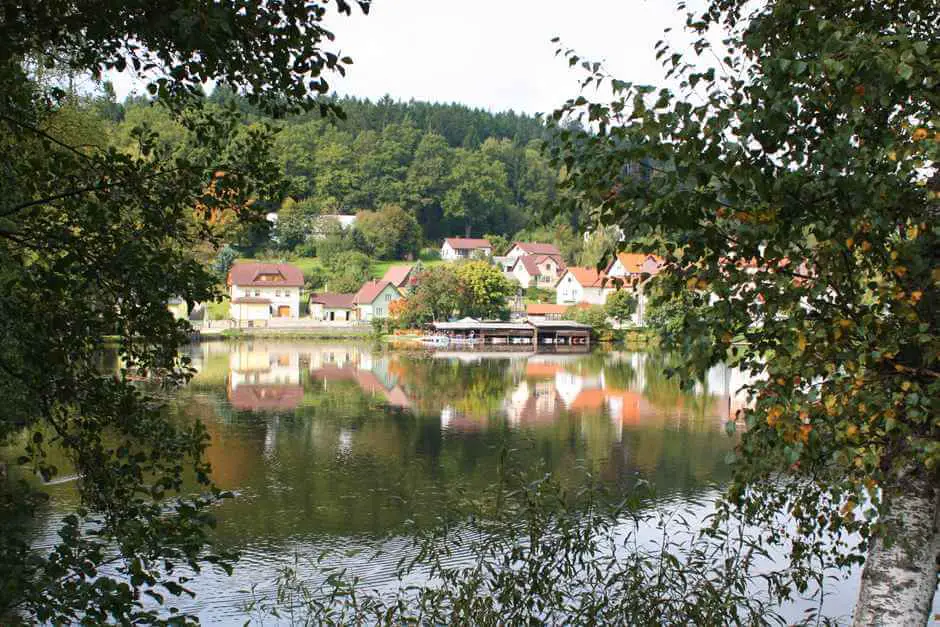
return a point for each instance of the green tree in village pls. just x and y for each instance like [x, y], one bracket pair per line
[436, 296]
[789, 190]
[94, 240]
[621, 305]
[295, 223]
[347, 271]
[390, 233]
[484, 290]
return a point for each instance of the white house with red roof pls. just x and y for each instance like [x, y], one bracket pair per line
[456, 248]
[521, 249]
[583, 285]
[537, 270]
[374, 298]
[635, 269]
[261, 291]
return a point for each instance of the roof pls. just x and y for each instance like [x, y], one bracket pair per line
[467, 243]
[634, 262]
[248, 273]
[544, 309]
[531, 263]
[470, 324]
[588, 277]
[558, 324]
[369, 292]
[536, 248]
[334, 301]
[251, 300]
[398, 275]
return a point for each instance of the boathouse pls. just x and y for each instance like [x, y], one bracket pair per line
[541, 335]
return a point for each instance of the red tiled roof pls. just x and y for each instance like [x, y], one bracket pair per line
[531, 263]
[467, 243]
[536, 248]
[398, 275]
[544, 309]
[335, 301]
[251, 300]
[636, 263]
[369, 292]
[589, 277]
[250, 273]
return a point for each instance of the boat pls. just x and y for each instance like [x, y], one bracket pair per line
[434, 340]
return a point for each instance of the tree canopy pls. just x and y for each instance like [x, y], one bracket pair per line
[97, 233]
[789, 190]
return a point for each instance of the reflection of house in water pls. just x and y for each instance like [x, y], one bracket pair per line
[533, 402]
[263, 379]
[367, 380]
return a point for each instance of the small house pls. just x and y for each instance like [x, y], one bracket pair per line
[583, 285]
[456, 248]
[329, 307]
[373, 299]
[546, 311]
[261, 291]
[635, 269]
[521, 249]
[537, 270]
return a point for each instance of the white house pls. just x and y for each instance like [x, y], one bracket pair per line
[261, 291]
[373, 299]
[456, 248]
[537, 270]
[333, 307]
[583, 285]
[635, 269]
[521, 249]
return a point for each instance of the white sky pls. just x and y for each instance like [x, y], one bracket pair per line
[494, 54]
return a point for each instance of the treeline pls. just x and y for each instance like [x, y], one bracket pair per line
[455, 169]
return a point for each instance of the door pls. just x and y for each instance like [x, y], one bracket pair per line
[283, 311]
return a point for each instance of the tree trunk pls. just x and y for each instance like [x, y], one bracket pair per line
[899, 580]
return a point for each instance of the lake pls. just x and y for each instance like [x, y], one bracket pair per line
[342, 447]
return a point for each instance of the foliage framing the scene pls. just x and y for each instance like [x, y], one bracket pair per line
[789, 189]
[94, 242]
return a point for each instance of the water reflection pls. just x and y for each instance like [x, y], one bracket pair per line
[344, 438]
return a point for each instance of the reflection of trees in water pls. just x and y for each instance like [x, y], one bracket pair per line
[344, 460]
[475, 389]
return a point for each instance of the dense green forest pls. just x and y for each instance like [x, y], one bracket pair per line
[455, 170]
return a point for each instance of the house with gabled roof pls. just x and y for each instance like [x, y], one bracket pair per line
[400, 275]
[635, 269]
[521, 249]
[374, 298]
[331, 307]
[537, 270]
[456, 248]
[583, 285]
[627, 265]
[261, 291]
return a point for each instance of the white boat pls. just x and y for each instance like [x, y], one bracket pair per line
[435, 340]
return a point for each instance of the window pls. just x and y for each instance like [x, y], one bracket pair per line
[378, 311]
[277, 293]
[257, 292]
[388, 298]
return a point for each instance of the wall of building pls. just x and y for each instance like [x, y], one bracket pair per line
[319, 312]
[278, 295]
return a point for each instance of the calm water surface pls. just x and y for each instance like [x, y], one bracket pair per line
[341, 447]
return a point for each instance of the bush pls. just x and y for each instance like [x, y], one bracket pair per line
[539, 295]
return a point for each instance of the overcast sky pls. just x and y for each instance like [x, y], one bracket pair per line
[494, 54]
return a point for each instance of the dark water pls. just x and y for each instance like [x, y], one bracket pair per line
[334, 447]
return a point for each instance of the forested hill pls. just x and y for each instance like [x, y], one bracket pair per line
[455, 169]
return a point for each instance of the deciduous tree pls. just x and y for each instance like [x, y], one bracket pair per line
[791, 185]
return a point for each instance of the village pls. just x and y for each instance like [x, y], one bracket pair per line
[272, 296]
